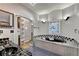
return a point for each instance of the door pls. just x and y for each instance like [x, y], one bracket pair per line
[24, 39]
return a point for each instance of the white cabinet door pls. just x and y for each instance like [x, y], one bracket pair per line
[78, 52]
[60, 49]
[56, 48]
[74, 51]
[67, 51]
[39, 44]
[70, 51]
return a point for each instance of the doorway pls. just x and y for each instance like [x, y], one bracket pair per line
[25, 37]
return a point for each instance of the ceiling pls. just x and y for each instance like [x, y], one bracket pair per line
[45, 8]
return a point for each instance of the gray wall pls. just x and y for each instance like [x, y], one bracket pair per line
[55, 15]
[68, 27]
[41, 28]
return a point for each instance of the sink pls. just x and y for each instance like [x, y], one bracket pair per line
[57, 41]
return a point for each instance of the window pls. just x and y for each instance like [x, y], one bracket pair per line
[54, 27]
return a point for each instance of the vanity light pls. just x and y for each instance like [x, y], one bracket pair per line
[67, 18]
[43, 20]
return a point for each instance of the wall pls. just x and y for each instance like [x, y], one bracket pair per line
[69, 11]
[41, 28]
[44, 27]
[69, 26]
[55, 15]
[6, 34]
[16, 9]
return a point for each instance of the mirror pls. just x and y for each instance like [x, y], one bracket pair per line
[6, 19]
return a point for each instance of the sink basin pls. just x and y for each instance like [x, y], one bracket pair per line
[57, 41]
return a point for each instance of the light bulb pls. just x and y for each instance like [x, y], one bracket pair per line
[43, 20]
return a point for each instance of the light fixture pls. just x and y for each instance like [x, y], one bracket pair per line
[43, 20]
[67, 18]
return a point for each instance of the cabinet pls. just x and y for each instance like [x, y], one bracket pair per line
[54, 48]
[70, 51]
[59, 49]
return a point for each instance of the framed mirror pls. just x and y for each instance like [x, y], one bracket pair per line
[6, 19]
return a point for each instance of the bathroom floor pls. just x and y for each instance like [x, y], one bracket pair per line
[41, 52]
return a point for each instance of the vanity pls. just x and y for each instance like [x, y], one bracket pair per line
[61, 48]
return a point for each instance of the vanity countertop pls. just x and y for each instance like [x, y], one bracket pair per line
[59, 43]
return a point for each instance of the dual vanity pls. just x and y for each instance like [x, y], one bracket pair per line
[63, 46]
